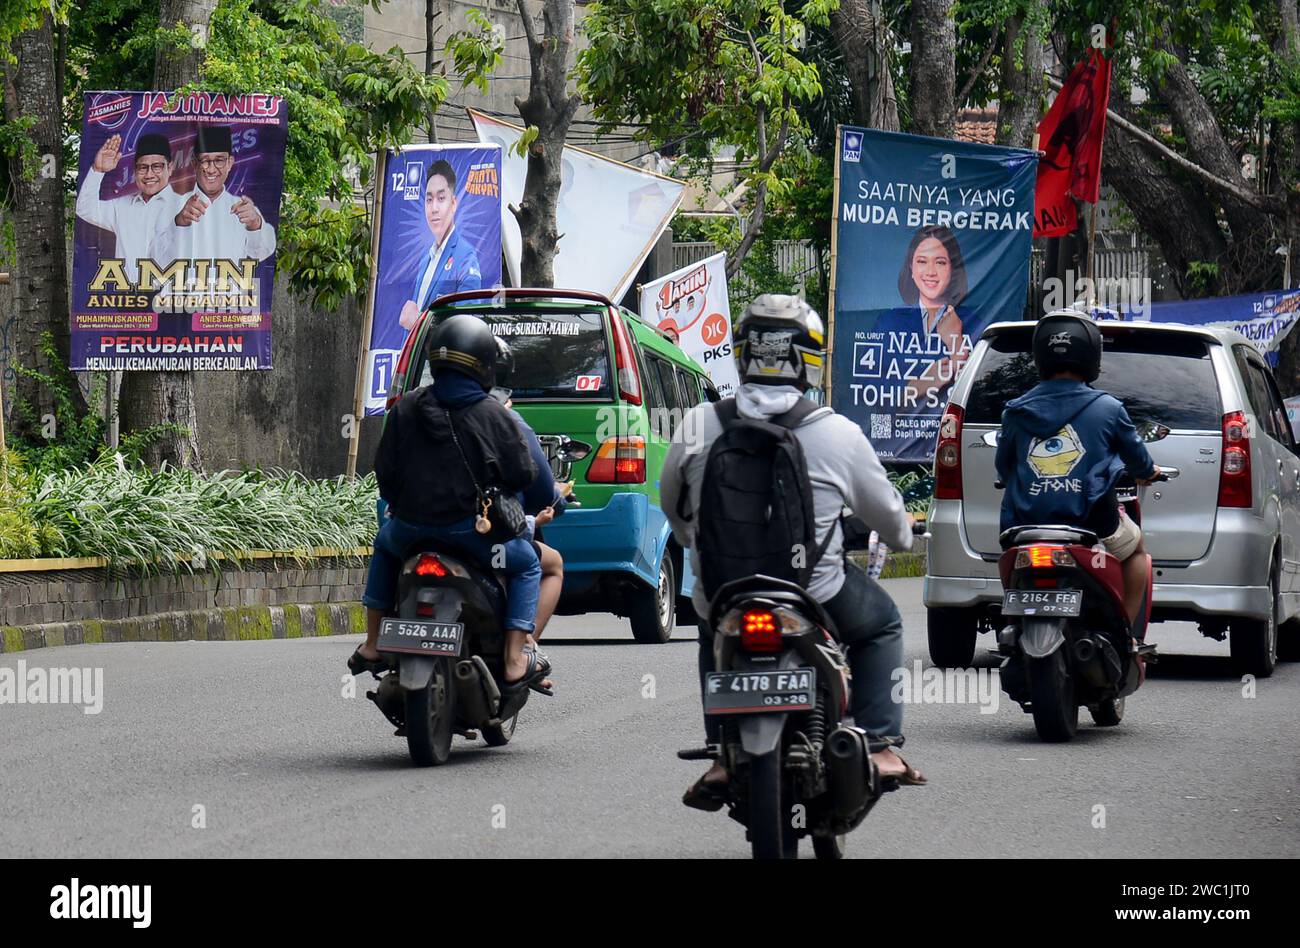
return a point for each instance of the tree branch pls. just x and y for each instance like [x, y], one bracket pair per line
[1268, 203]
[979, 70]
[530, 28]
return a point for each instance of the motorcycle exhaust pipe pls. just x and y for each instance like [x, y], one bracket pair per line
[470, 694]
[1087, 657]
[849, 772]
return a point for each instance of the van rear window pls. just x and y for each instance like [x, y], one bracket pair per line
[1159, 377]
[558, 355]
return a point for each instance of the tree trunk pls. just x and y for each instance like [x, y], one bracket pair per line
[1287, 148]
[1020, 100]
[550, 109]
[863, 39]
[40, 277]
[150, 399]
[431, 14]
[934, 68]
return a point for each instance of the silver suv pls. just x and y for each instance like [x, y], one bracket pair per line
[1224, 537]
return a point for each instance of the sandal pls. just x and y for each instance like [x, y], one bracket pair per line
[359, 664]
[709, 796]
[911, 777]
[538, 669]
[544, 664]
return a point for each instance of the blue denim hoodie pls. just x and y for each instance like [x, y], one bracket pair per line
[1063, 446]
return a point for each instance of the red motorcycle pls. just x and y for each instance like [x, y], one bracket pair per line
[1067, 640]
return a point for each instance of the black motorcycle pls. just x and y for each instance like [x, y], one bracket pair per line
[445, 649]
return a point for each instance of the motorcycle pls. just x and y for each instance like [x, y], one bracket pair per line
[445, 649]
[797, 766]
[1067, 642]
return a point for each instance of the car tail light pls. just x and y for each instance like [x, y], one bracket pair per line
[403, 363]
[947, 456]
[1234, 474]
[760, 631]
[430, 565]
[618, 461]
[629, 380]
[1043, 557]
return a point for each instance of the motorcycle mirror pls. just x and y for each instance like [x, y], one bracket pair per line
[1152, 431]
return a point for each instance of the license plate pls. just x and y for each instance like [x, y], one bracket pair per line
[751, 692]
[1042, 602]
[420, 637]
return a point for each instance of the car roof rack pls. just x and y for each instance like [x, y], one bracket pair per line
[521, 293]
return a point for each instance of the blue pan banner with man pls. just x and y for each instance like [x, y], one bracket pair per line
[931, 244]
[174, 240]
[439, 233]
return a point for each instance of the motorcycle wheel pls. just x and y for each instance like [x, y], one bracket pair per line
[770, 834]
[828, 847]
[498, 735]
[1107, 713]
[1051, 698]
[430, 713]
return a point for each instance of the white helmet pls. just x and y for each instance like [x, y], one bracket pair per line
[780, 340]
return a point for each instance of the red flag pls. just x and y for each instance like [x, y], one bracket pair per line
[1070, 134]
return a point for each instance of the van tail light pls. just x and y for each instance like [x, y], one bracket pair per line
[618, 461]
[629, 380]
[1234, 472]
[760, 631]
[947, 455]
[403, 364]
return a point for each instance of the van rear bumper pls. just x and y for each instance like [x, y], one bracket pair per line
[609, 539]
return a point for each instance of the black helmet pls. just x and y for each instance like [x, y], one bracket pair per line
[779, 341]
[505, 367]
[464, 344]
[1065, 341]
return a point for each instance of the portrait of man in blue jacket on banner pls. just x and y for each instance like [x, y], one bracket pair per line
[451, 264]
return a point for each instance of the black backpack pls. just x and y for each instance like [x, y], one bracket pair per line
[756, 501]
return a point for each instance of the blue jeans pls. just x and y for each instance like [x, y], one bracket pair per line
[395, 538]
[871, 630]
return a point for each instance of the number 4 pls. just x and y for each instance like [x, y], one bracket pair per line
[868, 360]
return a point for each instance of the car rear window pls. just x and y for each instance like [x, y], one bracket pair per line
[559, 355]
[1159, 377]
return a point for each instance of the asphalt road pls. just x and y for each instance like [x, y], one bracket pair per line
[261, 737]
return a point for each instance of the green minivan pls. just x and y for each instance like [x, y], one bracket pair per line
[605, 392]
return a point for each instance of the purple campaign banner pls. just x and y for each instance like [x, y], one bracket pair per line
[177, 209]
[439, 233]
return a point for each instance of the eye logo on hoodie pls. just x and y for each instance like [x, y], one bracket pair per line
[1057, 455]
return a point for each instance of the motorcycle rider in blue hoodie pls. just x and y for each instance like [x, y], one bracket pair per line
[1064, 444]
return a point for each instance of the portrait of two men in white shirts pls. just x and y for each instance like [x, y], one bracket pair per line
[207, 222]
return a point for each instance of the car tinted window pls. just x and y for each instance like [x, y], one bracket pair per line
[690, 388]
[1159, 377]
[665, 422]
[1269, 412]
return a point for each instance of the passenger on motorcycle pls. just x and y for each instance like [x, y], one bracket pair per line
[432, 497]
[1064, 444]
[778, 340]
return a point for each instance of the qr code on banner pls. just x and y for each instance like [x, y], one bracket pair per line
[880, 426]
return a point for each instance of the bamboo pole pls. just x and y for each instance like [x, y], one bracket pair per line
[4, 279]
[367, 323]
[830, 296]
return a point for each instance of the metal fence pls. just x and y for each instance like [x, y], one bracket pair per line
[795, 258]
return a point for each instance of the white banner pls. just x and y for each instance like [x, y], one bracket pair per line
[691, 304]
[610, 215]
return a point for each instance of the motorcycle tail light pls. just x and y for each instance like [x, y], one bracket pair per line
[760, 631]
[424, 610]
[1043, 557]
[430, 565]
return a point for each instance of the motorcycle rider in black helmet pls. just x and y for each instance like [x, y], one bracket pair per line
[1064, 444]
[432, 497]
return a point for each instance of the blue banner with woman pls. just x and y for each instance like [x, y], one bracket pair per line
[932, 241]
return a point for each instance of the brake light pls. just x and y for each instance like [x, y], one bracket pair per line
[629, 380]
[1234, 474]
[1043, 557]
[430, 565]
[424, 610]
[947, 455]
[760, 631]
[618, 461]
[403, 363]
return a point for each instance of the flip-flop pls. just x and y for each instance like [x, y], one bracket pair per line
[709, 796]
[359, 664]
[908, 778]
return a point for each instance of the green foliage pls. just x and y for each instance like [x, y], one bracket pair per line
[172, 520]
[21, 536]
[917, 488]
[476, 52]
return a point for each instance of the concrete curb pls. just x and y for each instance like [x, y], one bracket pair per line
[239, 624]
